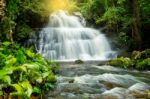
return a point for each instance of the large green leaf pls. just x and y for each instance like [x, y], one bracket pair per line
[27, 87]
[7, 79]
[21, 58]
[6, 43]
[32, 66]
[11, 60]
[30, 53]
[17, 87]
[37, 90]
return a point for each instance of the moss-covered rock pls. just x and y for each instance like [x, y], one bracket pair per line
[145, 54]
[139, 60]
[136, 55]
[121, 62]
[141, 55]
[79, 61]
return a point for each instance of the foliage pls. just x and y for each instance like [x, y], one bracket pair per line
[121, 62]
[92, 9]
[122, 40]
[143, 64]
[139, 60]
[23, 72]
[17, 23]
[117, 16]
[141, 55]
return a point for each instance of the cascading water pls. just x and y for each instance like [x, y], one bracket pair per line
[66, 38]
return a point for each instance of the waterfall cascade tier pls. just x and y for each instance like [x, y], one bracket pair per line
[66, 38]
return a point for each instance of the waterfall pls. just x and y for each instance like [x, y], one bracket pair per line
[66, 38]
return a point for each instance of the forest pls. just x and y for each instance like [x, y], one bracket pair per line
[29, 71]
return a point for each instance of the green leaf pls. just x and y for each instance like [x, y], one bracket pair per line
[17, 87]
[32, 66]
[7, 43]
[21, 58]
[1, 93]
[11, 60]
[7, 79]
[26, 85]
[1, 49]
[30, 54]
[39, 80]
[45, 74]
[37, 90]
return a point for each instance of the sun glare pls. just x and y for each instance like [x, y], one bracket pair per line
[54, 5]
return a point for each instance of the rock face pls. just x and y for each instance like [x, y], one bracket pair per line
[87, 81]
[2, 6]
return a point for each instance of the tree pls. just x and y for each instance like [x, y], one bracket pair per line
[136, 28]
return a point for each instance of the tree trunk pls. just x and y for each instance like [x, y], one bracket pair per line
[2, 6]
[136, 27]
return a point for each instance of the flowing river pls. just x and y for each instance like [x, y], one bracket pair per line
[90, 81]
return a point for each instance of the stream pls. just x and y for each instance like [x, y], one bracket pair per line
[90, 81]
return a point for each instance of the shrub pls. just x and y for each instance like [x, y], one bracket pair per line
[24, 72]
[143, 64]
[121, 62]
[141, 55]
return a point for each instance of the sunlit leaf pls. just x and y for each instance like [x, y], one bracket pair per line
[32, 66]
[7, 79]
[1, 93]
[6, 43]
[11, 60]
[30, 54]
[17, 87]
[27, 86]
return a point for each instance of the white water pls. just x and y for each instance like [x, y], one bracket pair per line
[65, 38]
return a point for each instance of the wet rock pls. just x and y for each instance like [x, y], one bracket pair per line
[78, 88]
[139, 90]
[85, 81]
[108, 68]
[116, 93]
[79, 62]
[61, 79]
[117, 80]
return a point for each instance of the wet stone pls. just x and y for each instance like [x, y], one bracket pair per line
[87, 81]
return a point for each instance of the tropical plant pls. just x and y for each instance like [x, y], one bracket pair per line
[23, 72]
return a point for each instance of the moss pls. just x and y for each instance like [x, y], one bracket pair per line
[143, 64]
[121, 62]
[141, 55]
[79, 61]
[136, 55]
[139, 60]
[145, 54]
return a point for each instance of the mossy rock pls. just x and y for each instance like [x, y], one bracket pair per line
[143, 64]
[145, 54]
[136, 55]
[79, 61]
[141, 55]
[121, 62]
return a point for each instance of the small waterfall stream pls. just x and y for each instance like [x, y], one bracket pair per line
[66, 38]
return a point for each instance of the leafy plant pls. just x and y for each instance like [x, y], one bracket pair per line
[139, 60]
[24, 72]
